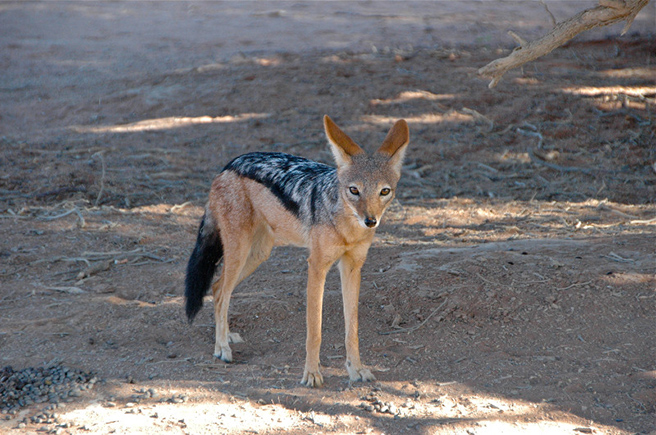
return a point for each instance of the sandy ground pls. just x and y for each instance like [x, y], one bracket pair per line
[511, 288]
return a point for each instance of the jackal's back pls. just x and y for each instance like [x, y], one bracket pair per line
[307, 189]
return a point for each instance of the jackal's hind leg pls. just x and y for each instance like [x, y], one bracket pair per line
[260, 251]
[233, 263]
[240, 265]
[221, 347]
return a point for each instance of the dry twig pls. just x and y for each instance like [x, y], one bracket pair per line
[69, 290]
[102, 177]
[560, 168]
[112, 256]
[414, 328]
[643, 221]
[551, 16]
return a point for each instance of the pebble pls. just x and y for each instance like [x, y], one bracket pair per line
[145, 394]
[57, 383]
[178, 398]
[375, 404]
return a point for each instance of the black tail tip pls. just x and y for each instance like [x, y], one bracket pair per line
[191, 310]
[193, 297]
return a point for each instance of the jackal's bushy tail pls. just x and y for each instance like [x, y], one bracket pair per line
[202, 264]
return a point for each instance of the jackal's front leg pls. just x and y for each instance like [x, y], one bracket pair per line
[349, 268]
[317, 272]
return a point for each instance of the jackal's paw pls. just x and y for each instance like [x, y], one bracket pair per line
[224, 353]
[312, 379]
[359, 374]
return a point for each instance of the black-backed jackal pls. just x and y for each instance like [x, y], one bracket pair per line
[262, 200]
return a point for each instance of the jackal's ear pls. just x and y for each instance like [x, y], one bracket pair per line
[341, 145]
[395, 143]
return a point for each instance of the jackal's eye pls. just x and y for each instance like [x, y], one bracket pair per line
[354, 191]
[386, 191]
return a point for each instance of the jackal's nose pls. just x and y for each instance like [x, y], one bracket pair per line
[370, 222]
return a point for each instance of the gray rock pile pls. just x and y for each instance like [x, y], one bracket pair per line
[53, 384]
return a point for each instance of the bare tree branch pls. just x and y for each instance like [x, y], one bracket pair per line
[608, 12]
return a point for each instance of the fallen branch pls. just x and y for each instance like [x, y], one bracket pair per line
[613, 256]
[539, 161]
[608, 12]
[117, 257]
[59, 216]
[479, 117]
[69, 290]
[82, 222]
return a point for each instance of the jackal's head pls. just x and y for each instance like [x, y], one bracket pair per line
[367, 182]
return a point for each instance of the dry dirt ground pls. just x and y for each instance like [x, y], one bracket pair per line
[511, 289]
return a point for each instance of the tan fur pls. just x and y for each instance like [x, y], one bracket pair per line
[252, 221]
